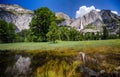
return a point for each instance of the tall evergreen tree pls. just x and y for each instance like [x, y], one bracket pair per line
[98, 36]
[105, 33]
[119, 32]
[119, 29]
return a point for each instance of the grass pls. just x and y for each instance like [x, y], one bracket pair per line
[59, 45]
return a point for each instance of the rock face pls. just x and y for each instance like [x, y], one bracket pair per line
[93, 21]
[110, 20]
[67, 19]
[93, 18]
[17, 15]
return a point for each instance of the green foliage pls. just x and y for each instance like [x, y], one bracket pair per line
[11, 32]
[70, 34]
[113, 36]
[118, 33]
[119, 29]
[3, 31]
[53, 33]
[59, 19]
[87, 36]
[105, 33]
[23, 36]
[89, 26]
[64, 33]
[40, 23]
[74, 35]
[98, 36]
[92, 36]
[7, 32]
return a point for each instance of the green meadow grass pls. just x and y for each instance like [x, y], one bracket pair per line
[76, 45]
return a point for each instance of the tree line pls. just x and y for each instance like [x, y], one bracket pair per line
[44, 27]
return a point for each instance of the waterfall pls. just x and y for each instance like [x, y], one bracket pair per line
[83, 56]
[81, 25]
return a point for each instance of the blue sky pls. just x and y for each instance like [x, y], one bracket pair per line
[67, 6]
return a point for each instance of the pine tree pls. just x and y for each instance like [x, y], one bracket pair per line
[105, 33]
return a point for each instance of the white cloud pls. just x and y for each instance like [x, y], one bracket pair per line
[84, 10]
[115, 12]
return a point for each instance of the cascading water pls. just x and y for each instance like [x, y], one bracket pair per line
[81, 26]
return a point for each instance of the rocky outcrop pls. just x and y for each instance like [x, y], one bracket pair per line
[67, 20]
[17, 15]
[110, 20]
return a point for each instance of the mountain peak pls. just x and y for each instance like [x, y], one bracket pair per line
[62, 15]
[13, 8]
[16, 14]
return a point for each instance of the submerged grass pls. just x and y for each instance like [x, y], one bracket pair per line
[57, 69]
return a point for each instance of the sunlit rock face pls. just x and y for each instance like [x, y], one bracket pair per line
[67, 20]
[93, 18]
[17, 15]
